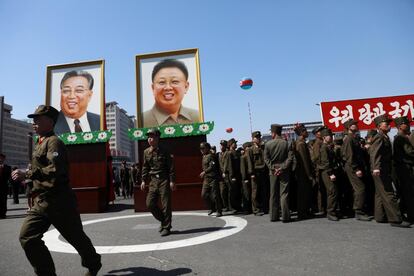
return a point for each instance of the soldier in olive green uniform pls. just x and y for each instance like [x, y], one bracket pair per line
[158, 170]
[404, 165]
[210, 175]
[318, 189]
[245, 178]
[354, 165]
[327, 168]
[52, 201]
[304, 172]
[224, 161]
[278, 159]
[257, 167]
[234, 176]
[386, 202]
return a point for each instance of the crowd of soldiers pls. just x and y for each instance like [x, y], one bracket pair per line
[349, 176]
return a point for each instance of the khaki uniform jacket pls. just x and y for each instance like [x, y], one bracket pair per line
[381, 154]
[210, 168]
[403, 151]
[352, 153]
[244, 166]
[255, 159]
[278, 155]
[158, 162]
[327, 159]
[224, 159]
[50, 166]
[304, 167]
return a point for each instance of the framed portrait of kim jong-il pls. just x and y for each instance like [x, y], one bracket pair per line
[168, 88]
[77, 90]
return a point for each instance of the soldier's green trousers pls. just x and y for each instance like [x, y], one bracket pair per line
[386, 202]
[331, 192]
[60, 211]
[359, 189]
[405, 175]
[279, 197]
[211, 195]
[160, 189]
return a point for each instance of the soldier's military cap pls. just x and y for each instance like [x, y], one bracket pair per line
[382, 118]
[153, 131]
[205, 145]
[275, 128]
[45, 110]
[371, 133]
[299, 129]
[232, 141]
[349, 123]
[401, 120]
[326, 132]
[223, 142]
[317, 129]
[257, 134]
[247, 144]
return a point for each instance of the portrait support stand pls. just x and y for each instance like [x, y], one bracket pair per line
[88, 176]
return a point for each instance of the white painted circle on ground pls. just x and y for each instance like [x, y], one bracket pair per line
[233, 225]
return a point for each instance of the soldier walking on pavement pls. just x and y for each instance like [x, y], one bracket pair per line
[257, 165]
[224, 160]
[124, 174]
[210, 175]
[354, 164]
[386, 201]
[52, 201]
[278, 159]
[318, 189]
[234, 176]
[158, 170]
[246, 172]
[304, 172]
[327, 168]
[404, 165]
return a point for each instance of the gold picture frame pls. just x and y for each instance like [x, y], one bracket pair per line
[145, 95]
[96, 101]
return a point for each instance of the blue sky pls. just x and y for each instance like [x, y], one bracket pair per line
[298, 53]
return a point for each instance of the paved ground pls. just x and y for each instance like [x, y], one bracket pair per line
[311, 247]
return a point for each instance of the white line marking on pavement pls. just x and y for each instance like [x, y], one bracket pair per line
[233, 225]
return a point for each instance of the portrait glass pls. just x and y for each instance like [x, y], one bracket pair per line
[77, 91]
[168, 88]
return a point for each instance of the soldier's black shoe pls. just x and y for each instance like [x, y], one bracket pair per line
[259, 214]
[287, 220]
[362, 217]
[332, 217]
[403, 224]
[160, 228]
[219, 214]
[93, 272]
[165, 232]
[210, 212]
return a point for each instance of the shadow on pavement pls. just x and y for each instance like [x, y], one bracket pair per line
[199, 230]
[135, 271]
[119, 207]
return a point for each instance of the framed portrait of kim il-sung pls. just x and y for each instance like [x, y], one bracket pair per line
[77, 90]
[169, 88]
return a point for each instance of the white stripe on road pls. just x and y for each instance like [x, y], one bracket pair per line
[233, 225]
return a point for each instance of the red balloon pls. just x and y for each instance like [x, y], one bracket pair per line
[229, 130]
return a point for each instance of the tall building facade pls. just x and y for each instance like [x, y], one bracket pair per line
[16, 137]
[118, 121]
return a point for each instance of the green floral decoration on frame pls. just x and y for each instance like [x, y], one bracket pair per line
[173, 131]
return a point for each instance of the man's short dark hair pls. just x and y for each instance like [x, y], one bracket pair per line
[2, 155]
[168, 63]
[78, 73]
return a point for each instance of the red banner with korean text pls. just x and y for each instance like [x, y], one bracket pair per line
[334, 114]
